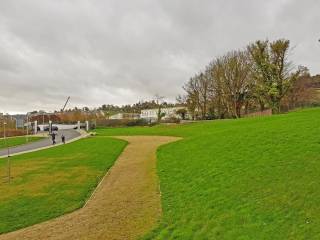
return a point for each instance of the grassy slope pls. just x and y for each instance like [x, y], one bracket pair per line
[16, 141]
[240, 179]
[55, 181]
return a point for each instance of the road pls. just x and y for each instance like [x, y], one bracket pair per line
[69, 134]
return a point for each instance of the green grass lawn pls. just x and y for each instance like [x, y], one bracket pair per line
[55, 181]
[16, 141]
[253, 178]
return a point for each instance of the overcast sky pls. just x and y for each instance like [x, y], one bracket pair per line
[121, 51]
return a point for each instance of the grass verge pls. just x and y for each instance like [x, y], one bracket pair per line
[55, 181]
[16, 141]
[239, 179]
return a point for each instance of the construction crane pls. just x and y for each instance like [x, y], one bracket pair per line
[65, 104]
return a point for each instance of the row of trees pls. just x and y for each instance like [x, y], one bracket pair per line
[258, 77]
[105, 111]
[8, 121]
[8, 126]
[72, 115]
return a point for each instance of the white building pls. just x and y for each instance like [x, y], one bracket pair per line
[116, 116]
[120, 116]
[152, 114]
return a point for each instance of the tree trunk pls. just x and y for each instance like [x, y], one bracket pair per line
[276, 109]
[246, 108]
[262, 107]
[159, 114]
[238, 110]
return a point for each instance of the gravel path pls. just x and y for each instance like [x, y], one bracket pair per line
[125, 205]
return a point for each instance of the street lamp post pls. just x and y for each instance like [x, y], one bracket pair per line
[27, 136]
[8, 149]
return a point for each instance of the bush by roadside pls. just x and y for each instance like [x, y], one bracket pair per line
[122, 122]
[13, 133]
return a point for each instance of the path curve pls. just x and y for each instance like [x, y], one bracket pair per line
[71, 135]
[125, 205]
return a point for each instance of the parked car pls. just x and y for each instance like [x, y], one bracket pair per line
[82, 126]
[53, 128]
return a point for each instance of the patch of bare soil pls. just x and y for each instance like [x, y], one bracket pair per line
[124, 206]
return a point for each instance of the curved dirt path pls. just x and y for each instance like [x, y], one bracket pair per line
[125, 205]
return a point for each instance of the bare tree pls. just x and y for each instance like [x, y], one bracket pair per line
[260, 76]
[236, 80]
[192, 96]
[302, 92]
[217, 96]
[204, 92]
[231, 82]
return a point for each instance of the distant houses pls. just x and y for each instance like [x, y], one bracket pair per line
[120, 116]
[94, 117]
[151, 114]
[19, 120]
[70, 116]
[168, 113]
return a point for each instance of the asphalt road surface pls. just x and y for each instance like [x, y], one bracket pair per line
[69, 134]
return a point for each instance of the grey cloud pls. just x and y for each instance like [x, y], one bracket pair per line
[123, 51]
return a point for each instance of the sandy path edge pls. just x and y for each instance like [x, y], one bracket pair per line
[125, 205]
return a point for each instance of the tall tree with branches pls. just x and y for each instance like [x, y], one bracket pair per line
[273, 70]
[192, 96]
[231, 81]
